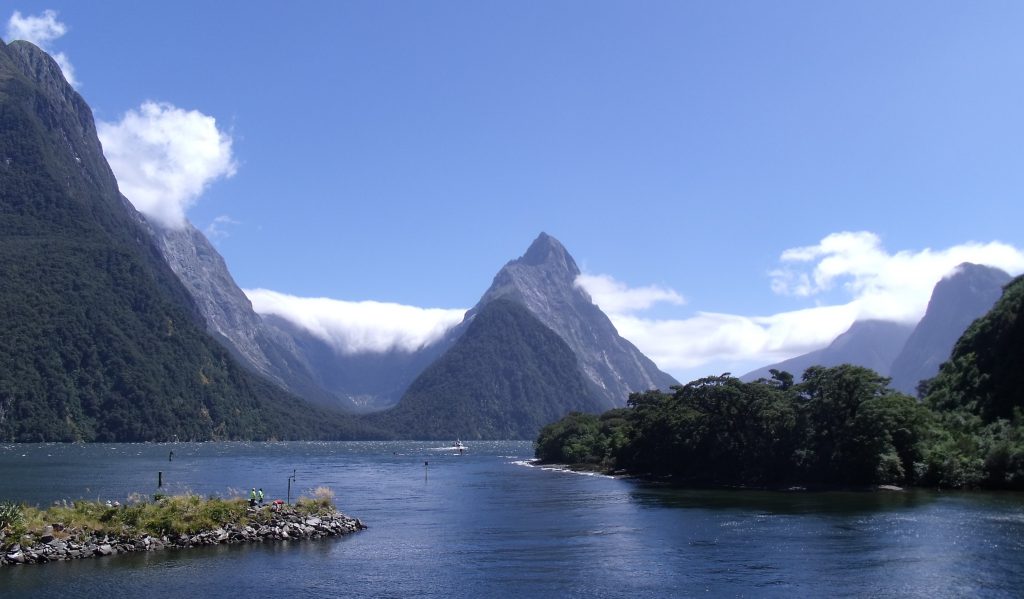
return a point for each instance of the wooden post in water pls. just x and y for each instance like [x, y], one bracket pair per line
[426, 467]
[290, 479]
[159, 479]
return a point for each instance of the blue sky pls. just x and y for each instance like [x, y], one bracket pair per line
[738, 180]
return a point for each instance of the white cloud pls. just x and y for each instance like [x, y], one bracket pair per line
[164, 157]
[725, 340]
[881, 285]
[613, 296]
[357, 327]
[41, 30]
[217, 229]
[874, 283]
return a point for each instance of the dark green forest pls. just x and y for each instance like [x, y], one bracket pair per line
[505, 378]
[836, 426]
[98, 339]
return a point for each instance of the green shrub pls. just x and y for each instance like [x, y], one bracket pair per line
[10, 514]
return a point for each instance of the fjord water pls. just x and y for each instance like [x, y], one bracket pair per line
[485, 524]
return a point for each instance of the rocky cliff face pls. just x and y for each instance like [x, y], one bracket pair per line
[285, 353]
[869, 343]
[544, 280]
[264, 348]
[957, 300]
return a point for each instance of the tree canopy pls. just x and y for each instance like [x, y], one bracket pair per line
[839, 426]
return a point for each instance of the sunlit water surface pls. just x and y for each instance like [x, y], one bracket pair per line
[487, 524]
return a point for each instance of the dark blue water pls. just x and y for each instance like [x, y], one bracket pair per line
[485, 525]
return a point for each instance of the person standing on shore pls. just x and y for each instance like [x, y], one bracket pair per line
[259, 496]
[252, 497]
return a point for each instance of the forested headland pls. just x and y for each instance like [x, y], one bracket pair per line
[835, 426]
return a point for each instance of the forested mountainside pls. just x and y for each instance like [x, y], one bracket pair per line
[101, 341]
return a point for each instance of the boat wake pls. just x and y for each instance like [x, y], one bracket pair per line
[557, 468]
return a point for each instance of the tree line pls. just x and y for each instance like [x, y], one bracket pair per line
[837, 426]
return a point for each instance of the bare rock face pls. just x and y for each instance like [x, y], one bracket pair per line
[225, 307]
[544, 280]
[262, 347]
[279, 350]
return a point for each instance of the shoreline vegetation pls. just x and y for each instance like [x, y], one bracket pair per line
[86, 529]
[839, 428]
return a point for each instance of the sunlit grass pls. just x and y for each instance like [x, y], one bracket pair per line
[180, 514]
[163, 515]
[322, 501]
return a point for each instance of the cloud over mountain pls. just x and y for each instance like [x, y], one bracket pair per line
[41, 30]
[164, 157]
[616, 297]
[357, 327]
[882, 285]
[870, 281]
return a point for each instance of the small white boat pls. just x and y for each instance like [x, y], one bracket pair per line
[458, 445]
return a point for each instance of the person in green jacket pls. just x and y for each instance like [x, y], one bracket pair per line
[259, 496]
[252, 497]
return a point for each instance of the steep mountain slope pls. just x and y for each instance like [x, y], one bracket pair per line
[957, 300]
[984, 374]
[229, 315]
[100, 340]
[361, 382]
[278, 349]
[504, 378]
[869, 343]
[544, 281]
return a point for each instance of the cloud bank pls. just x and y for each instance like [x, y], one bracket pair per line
[164, 157]
[882, 285]
[873, 282]
[41, 30]
[359, 327]
[615, 297]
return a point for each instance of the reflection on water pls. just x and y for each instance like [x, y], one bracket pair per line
[484, 524]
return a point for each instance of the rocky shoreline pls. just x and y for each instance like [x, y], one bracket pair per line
[56, 543]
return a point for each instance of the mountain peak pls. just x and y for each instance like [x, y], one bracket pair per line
[976, 273]
[546, 250]
[543, 280]
[966, 293]
[40, 66]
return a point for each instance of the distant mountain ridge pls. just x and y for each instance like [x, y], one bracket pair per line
[873, 344]
[909, 354]
[543, 281]
[277, 349]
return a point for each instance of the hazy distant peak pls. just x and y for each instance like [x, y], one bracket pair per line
[970, 270]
